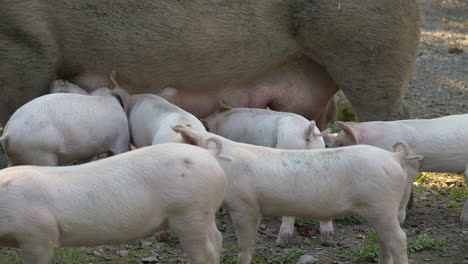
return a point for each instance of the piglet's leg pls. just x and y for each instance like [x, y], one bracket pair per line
[326, 233]
[246, 223]
[193, 230]
[36, 253]
[39, 239]
[392, 239]
[286, 230]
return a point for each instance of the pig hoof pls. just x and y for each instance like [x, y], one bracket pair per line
[282, 239]
[326, 241]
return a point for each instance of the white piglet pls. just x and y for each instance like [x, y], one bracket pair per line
[57, 129]
[151, 118]
[273, 129]
[318, 184]
[442, 141]
[118, 199]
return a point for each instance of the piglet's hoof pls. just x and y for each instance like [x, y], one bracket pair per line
[326, 240]
[282, 240]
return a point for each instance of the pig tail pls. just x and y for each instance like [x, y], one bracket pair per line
[217, 149]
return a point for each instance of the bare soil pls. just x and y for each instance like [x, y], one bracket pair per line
[439, 87]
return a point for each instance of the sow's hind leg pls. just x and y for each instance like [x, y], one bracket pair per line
[370, 56]
[28, 60]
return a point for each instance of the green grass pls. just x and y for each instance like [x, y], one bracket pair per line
[454, 204]
[369, 253]
[334, 128]
[288, 257]
[460, 192]
[422, 176]
[73, 256]
[305, 221]
[346, 115]
[423, 242]
[13, 258]
[350, 220]
[419, 189]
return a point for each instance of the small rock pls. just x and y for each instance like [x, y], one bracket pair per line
[123, 253]
[262, 227]
[146, 244]
[307, 259]
[360, 236]
[149, 259]
[97, 254]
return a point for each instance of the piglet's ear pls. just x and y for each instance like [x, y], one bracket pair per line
[353, 133]
[324, 133]
[113, 81]
[189, 136]
[310, 129]
[168, 92]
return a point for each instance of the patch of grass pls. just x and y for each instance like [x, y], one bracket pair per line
[460, 192]
[334, 128]
[259, 260]
[422, 176]
[440, 193]
[350, 220]
[454, 204]
[370, 253]
[289, 257]
[373, 236]
[73, 256]
[13, 257]
[419, 189]
[346, 115]
[229, 260]
[424, 242]
[305, 221]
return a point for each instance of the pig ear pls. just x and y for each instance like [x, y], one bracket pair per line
[352, 132]
[310, 129]
[223, 107]
[168, 92]
[113, 80]
[189, 136]
[324, 133]
[329, 138]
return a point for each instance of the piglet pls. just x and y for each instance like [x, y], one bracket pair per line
[442, 141]
[118, 199]
[271, 129]
[151, 117]
[320, 184]
[57, 129]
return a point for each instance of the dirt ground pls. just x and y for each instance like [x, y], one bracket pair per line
[439, 87]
